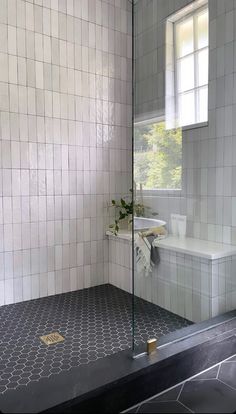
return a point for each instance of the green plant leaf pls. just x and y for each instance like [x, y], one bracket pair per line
[122, 216]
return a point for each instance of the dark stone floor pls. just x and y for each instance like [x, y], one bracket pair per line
[95, 322]
[213, 391]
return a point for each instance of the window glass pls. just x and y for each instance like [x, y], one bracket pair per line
[187, 108]
[202, 67]
[185, 37]
[202, 29]
[157, 157]
[186, 73]
[191, 66]
[202, 97]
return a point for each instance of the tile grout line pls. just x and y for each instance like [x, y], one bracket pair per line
[218, 371]
[227, 385]
[185, 406]
[180, 392]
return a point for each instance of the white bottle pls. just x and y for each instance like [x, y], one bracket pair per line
[174, 224]
[182, 226]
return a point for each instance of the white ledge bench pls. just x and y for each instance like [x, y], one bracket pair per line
[195, 279]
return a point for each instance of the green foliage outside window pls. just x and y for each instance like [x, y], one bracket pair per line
[158, 157]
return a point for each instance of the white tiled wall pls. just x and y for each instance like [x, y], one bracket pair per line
[208, 197]
[65, 116]
[120, 263]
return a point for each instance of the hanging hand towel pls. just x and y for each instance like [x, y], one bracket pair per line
[143, 254]
[147, 255]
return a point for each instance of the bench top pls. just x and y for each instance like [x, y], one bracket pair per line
[187, 245]
[197, 247]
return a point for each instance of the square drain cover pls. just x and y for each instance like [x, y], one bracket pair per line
[52, 338]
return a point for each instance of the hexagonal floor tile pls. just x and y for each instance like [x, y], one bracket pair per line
[95, 323]
[227, 373]
[209, 396]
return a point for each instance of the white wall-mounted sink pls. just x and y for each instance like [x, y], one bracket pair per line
[143, 223]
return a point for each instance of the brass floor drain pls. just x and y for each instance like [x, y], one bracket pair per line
[52, 338]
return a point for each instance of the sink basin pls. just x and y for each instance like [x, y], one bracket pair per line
[143, 223]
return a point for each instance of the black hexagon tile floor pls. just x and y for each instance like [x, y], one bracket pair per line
[95, 323]
[212, 391]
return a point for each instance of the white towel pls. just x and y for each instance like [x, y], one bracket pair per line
[146, 258]
[143, 254]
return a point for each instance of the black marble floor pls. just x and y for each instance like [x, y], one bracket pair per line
[212, 391]
[95, 322]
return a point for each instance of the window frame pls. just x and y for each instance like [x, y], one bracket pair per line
[194, 14]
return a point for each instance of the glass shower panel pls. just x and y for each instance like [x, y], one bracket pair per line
[184, 254]
[157, 172]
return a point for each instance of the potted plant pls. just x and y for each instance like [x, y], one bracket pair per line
[125, 209]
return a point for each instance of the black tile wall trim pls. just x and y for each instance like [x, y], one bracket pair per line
[114, 383]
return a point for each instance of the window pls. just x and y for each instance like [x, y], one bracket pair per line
[191, 67]
[157, 156]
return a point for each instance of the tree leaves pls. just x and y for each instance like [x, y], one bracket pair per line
[158, 156]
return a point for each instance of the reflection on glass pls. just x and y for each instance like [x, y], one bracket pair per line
[202, 29]
[202, 97]
[202, 67]
[186, 73]
[186, 108]
[184, 34]
[157, 156]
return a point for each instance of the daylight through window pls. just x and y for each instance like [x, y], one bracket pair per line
[191, 67]
[158, 157]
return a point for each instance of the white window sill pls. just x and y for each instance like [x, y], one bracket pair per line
[167, 193]
[193, 126]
